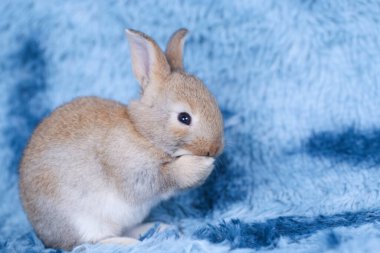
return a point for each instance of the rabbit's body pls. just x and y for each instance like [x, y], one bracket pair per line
[91, 146]
[94, 168]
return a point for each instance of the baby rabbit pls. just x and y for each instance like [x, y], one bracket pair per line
[94, 168]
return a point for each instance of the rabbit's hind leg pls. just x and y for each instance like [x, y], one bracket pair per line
[141, 229]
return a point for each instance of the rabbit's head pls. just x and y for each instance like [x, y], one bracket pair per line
[176, 112]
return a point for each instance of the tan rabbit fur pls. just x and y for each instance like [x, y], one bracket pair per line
[94, 168]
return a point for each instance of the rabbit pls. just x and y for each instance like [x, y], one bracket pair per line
[94, 168]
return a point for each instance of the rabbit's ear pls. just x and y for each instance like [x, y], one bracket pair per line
[149, 63]
[174, 49]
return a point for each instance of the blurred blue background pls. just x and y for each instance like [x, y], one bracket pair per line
[297, 81]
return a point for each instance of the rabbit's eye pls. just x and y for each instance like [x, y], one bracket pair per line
[184, 118]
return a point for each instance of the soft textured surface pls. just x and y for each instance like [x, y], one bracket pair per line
[297, 80]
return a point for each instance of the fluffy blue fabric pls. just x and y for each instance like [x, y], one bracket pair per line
[297, 80]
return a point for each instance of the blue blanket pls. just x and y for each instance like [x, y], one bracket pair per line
[298, 82]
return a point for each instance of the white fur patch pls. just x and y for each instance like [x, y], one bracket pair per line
[181, 152]
[107, 215]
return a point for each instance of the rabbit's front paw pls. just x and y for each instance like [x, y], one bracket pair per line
[192, 170]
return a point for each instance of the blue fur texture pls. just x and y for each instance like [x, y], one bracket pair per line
[297, 81]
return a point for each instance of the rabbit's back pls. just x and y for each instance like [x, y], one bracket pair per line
[74, 129]
[76, 119]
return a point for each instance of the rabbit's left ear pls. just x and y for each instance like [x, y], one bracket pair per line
[149, 63]
[174, 49]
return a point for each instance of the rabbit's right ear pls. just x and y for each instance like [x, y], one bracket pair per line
[149, 63]
[174, 50]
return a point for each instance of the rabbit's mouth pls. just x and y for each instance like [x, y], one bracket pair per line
[181, 152]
